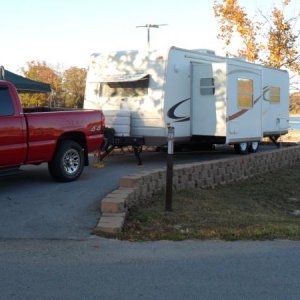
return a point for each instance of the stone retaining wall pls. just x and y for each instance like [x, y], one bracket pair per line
[141, 187]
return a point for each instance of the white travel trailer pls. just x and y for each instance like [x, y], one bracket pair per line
[206, 98]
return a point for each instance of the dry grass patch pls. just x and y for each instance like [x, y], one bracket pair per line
[264, 207]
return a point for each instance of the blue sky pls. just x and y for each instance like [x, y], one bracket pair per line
[66, 32]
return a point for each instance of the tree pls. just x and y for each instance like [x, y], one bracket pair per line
[40, 71]
[74, 85]
[270, 41]
[282, 42]
[67, 87]
[295, 103]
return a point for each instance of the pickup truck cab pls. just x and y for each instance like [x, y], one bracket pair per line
[62, 139]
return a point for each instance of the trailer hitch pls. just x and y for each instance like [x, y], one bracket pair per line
[112, 142]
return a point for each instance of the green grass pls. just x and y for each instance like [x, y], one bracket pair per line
[257, 208]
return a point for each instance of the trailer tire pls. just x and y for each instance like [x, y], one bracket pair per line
[241, 148]
[68, 162]
[253, 147]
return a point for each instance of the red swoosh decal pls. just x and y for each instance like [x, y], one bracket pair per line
[241, 112]
[236, 115]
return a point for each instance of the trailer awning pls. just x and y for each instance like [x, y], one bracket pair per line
[124, 78]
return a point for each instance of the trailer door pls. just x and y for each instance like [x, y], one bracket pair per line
[208, 105]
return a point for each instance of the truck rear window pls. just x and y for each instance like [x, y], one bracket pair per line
[6, 103]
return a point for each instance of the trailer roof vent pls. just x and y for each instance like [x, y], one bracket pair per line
[206, 51]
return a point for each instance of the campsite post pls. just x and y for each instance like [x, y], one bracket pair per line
[169, 176]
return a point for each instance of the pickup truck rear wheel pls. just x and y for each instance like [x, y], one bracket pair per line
[68, 162]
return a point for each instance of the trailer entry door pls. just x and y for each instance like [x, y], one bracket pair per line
[208, 103]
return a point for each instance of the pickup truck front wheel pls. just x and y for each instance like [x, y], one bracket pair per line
[68, 162]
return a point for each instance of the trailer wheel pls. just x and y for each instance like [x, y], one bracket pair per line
[253, 147]
[68, 162]
[241, 148]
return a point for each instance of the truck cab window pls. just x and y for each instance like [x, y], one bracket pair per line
[6, 103]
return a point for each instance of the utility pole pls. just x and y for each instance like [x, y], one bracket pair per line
[148, 26]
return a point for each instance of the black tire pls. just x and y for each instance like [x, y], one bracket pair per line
[241, 148]
[68, 162]
[253, 147]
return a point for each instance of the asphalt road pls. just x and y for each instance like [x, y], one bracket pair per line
[114, 270]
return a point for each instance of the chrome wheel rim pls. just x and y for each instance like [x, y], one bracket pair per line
[71, 161]
[243, 146]
[254, 145]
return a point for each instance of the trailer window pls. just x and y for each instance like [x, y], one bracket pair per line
[6, 103]
[125, 89]
[275, 94]
[207, 86]
[245, 93]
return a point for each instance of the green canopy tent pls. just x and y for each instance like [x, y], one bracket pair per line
[25, 85]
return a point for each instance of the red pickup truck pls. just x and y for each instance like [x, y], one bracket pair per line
[63, 138]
